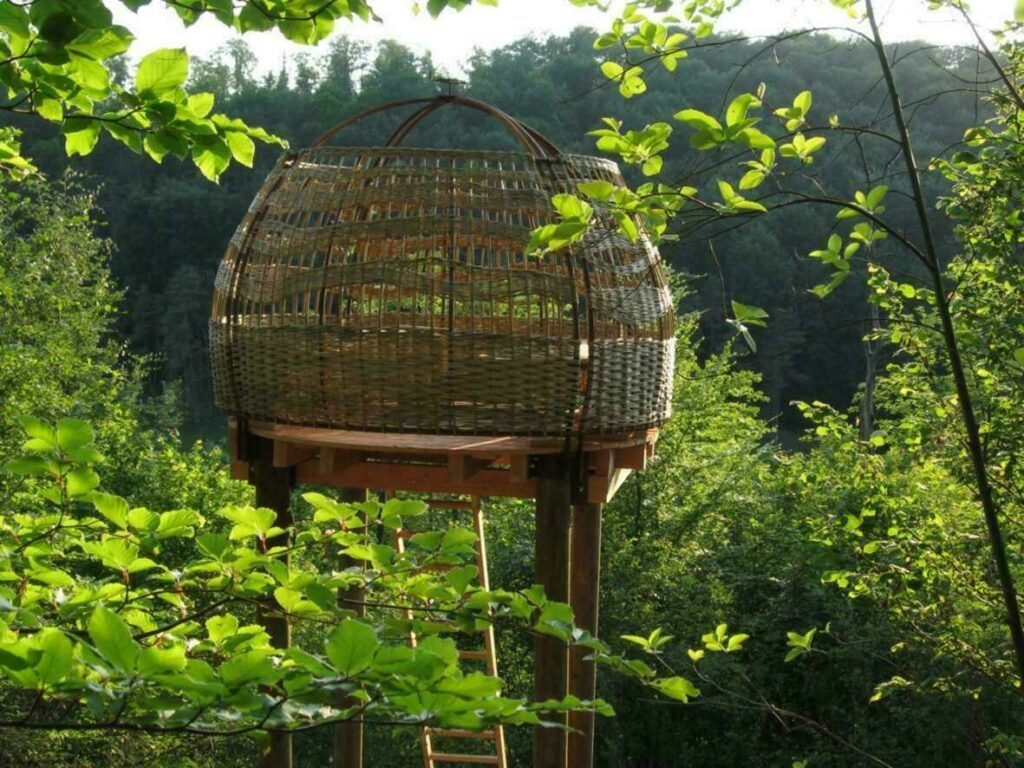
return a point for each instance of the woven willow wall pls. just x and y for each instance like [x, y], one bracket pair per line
[388, 289]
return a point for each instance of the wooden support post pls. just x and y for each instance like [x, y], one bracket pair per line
[348, 736]
[274, 491]
[551, 566]
[585, 600]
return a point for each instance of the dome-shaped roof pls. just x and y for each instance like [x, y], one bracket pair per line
[389, 289]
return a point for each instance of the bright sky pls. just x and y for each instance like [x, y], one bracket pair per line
[452, 38]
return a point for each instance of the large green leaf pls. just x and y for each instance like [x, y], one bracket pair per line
[55, 661]
[81, 481]
[112, 507]
[678, 688]
[113, 639]
[101, 44]
[250, 667]
[351, 647]
[162, 71]
[80, 135]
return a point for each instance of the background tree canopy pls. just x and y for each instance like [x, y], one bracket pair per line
[170, 226]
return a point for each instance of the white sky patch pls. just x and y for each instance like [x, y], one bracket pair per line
[452, 38]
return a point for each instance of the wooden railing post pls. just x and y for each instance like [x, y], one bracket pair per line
[551, 566]
[274, 490]
[349, 735]
[585, 600]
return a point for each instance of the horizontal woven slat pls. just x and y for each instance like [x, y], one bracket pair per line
[388, 289]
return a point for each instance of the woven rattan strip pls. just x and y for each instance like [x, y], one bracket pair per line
[389, 289]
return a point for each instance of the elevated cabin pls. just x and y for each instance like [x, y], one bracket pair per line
[378, 323]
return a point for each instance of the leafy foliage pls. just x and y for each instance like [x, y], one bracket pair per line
[160, 635]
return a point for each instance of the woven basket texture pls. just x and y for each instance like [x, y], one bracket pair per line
[389, 289]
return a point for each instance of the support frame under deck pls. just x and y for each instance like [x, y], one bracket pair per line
[569, 480]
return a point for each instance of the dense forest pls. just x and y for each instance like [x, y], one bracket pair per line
[169, 226]
[850, 565]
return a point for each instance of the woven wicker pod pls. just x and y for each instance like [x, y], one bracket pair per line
[388, 289]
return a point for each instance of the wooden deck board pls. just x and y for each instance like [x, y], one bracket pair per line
[413, 443]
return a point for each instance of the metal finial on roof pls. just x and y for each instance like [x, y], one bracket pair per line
[451, 82]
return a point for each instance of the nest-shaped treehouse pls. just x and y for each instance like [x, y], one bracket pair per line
[389, 289]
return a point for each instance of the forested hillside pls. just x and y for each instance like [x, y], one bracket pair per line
[169, 226]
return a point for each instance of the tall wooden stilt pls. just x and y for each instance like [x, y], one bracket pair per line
[585, 599]
[274, 491]
[551, 565]
[349, 736]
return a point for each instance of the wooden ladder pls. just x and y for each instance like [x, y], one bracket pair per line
[432, 756]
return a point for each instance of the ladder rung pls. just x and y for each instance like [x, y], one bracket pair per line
[474, 655]
[449, 504]
[445, 757]
[459, 733]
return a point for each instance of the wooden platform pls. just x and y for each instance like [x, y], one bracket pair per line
[455, 464]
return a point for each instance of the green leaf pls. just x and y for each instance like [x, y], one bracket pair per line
[752, 179]
[81, 481]
[597, 190]
[571, 207]
[652, 166]
[698, 120]
[678, 688]
[612, 70]
[351, 647]
[211, 156]
[736, 642]
[162, 71]
[177, 522]
[636, 639]
[112, 507]
[80, 136]
[27, 465]
[102, 44]
[143, 519]
[113, 639]
[250, 667]
[220, 628]
[737, 111]
[14, 19]
[55, 660]
[242, 147]
[154, 660]
[461, 578]
[472, 686]
[200, 104]
[38, 429]
[875, 196]
[73, 433]
[749, 315]
[249, 521]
